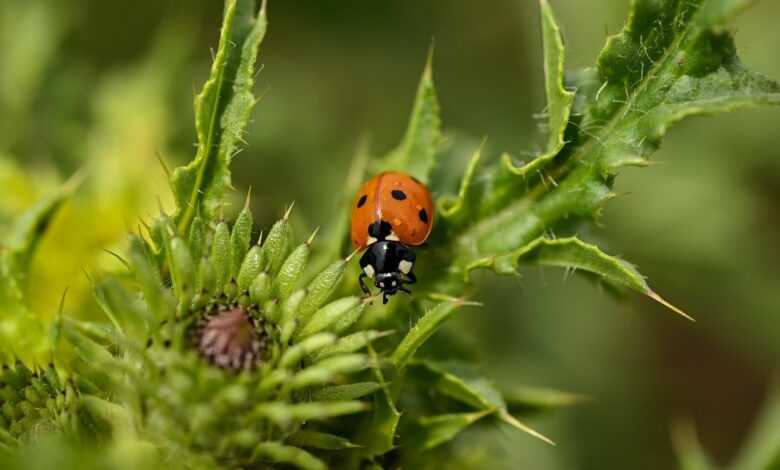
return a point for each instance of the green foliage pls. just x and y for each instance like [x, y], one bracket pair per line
[671, 61]
[24, 236]
[421, 331]
[417, 151]
[559, 99]
[163, 364]
[572, 253]
[20, 330]
[222, 350]
[221, 113]
[35, 403]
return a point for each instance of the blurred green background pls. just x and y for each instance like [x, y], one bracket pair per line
[107, 87]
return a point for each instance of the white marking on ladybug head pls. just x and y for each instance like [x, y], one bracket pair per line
[405, 266]
[393, 237]
[369, 270]
[371, 240]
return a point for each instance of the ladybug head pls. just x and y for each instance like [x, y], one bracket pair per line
[379, 230]
[390, 283]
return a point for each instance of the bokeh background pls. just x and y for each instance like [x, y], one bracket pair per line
[105, 88]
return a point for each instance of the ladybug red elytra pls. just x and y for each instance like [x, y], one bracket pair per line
[392, 212]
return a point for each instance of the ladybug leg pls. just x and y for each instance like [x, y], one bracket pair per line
[361, 280]
[384, 298]
[411, 278]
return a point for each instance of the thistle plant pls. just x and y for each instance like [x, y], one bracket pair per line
[230, 363]
[228, 346]
[35, 402]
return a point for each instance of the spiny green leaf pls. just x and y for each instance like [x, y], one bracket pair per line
[417, 151]
[378, 433]
[320, 289]
[157, 297]
[328, 315]
[101, 331]
[117, 417]
[437, 430]
[284, 413]
[182, 268]
[326, 371]
[320, 440]
[575, 254]
[525, 400]
[220, 254]
[351, 391]
[119, 306]
[504, 416]
[461, 382]
[457, 209]
[260, 289]
[673, 59]
[293, 267]
[197, 238]
[240, 238]
[19, 244]
[423, 329]
[559, 100]
[277, 243]
[250, 268]
[281, 454]
[221, 113]
[308, 346]
[351, 343]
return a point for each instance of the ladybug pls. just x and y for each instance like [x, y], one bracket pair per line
[391, 213]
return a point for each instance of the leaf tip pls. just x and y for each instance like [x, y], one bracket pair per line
[653, 295]
[310, 240]
[164, 165]
[428, 71]
[248, 197]
[289, 211]
[351, 255]
[514, 422]
[458, 301]
[75, 181]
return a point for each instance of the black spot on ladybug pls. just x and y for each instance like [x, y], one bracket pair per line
[362, 201]
[398, 195]
[423, 215]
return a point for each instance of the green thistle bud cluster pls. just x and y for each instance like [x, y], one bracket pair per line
[237, 359]
[34, 402]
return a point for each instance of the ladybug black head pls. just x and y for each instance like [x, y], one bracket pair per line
[380, 230]
[390, 264]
